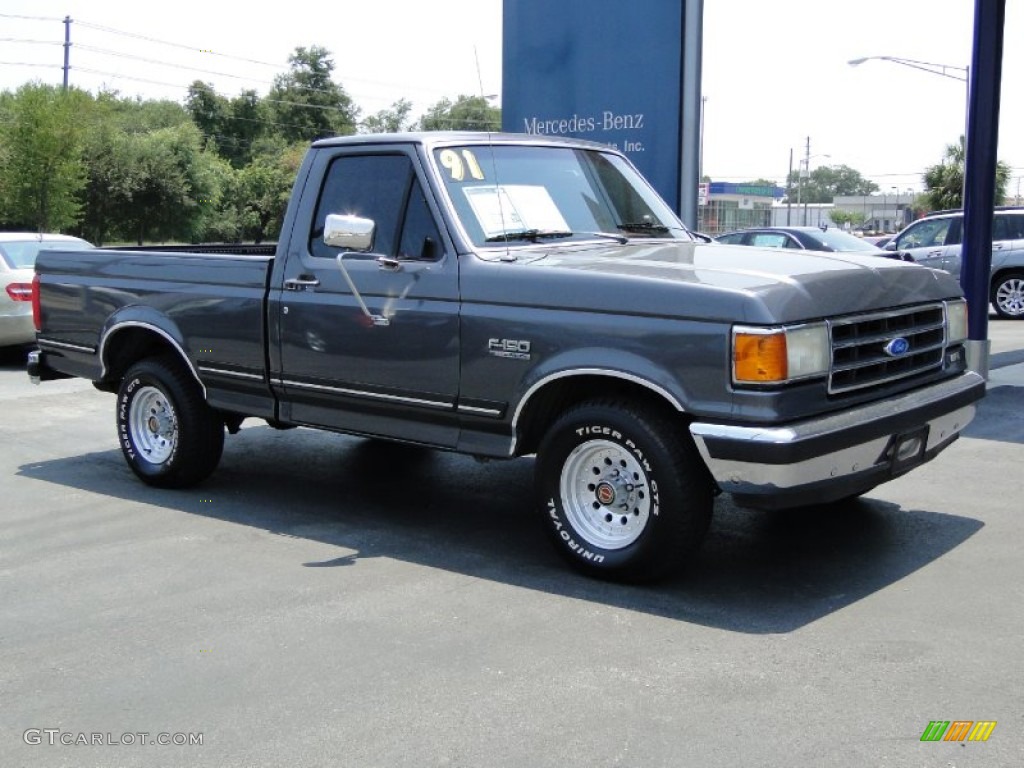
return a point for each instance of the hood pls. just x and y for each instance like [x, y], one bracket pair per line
[762, 285]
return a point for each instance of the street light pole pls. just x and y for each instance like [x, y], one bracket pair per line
[943, 70]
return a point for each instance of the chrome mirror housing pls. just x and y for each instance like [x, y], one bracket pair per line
[352, 233]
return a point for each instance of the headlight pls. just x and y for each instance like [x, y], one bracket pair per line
[779, 355]
[956, 321]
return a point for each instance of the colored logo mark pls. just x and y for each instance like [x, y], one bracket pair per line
[958, 730]
[897, 347]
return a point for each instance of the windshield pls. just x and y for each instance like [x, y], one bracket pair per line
[523, 194]
[21, 254]
[843, 241]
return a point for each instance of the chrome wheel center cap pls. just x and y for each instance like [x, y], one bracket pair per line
[605, 493]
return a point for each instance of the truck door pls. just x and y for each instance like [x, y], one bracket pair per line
[393, 369]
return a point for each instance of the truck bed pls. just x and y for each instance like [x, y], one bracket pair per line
[215, 303]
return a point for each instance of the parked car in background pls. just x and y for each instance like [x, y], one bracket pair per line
[17, 266]
[936, 241]
[805, 239]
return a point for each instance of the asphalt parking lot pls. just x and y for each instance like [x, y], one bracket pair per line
[329, 601]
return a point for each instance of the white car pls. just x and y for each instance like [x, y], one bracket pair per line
[17, 266]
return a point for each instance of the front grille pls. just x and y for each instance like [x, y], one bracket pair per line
[859, 343]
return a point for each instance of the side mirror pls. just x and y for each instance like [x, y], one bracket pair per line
[890, 246]
[351, 233]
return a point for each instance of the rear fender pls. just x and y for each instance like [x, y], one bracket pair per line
[135, 332]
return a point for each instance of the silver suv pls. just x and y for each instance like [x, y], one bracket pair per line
[935, 241]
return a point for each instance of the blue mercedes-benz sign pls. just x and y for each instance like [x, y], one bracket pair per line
[897, 347]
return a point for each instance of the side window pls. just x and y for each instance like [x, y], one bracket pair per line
[954, 233]
[733, 239]
[925, 234]
[420, 238]
[769, 240]
[792, 243]
[371, 186]
[1014, 225]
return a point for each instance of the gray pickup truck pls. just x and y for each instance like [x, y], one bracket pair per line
[505, 296]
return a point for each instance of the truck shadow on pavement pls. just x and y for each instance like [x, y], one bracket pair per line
[1000, 416]
[757, 572]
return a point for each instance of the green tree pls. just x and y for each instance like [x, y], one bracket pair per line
[827, 182]
[164, 185]
[229, 125]
[208, 110]
[307, 104]
[391, 120]
[842, 217]
[41, 165]
[944, 181]
[248, 121]
[259, 193]
[467, 113]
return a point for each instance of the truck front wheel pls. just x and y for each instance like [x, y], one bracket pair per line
[622, 490]
[168, 434]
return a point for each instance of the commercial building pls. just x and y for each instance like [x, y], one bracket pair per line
[737, 206]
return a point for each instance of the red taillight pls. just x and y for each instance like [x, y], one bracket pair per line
[20, 291]
[37, 315]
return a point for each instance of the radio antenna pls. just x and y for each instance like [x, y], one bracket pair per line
[490, 146]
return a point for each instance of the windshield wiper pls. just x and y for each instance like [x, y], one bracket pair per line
[642, 226]
[528, 234]
[543, 234]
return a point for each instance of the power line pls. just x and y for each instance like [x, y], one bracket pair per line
[29, 18]
[118, 54]
[201, 71]
[175, 85]
[30, 42]
[182, 46]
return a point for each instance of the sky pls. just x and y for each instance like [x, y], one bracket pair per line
[774, 73]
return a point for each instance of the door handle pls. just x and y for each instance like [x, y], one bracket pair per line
[935, 253]
[301, 283]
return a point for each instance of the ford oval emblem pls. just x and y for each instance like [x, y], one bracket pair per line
[897, 347]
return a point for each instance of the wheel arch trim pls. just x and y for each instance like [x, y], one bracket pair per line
[611, 373]
[122, 325]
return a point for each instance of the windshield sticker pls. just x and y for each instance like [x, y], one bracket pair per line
[457, 165]
[514, 208]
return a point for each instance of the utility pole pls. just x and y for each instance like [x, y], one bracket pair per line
[67, 49]
[789, 189]
[807, 170]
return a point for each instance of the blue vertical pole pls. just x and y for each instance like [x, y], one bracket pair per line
[690, 106]
[67, 49]
[980, 174]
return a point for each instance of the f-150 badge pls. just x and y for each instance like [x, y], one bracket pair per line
[515, 349]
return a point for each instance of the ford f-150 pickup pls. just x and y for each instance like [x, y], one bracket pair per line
[506, 296]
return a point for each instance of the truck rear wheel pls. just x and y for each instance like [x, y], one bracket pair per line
[169, 436]
[624, 494]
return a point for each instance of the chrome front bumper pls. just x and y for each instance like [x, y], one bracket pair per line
[841, 454]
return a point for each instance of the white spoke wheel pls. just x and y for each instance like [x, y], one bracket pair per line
[153, 425]
[606, 494]
[622, 490]
[169, 436]
[1008, 295]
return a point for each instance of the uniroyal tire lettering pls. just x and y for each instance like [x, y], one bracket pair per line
[580, 550]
